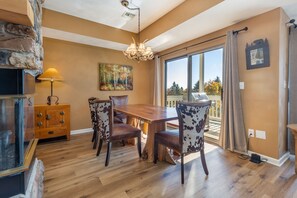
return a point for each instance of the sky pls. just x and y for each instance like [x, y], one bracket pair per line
[213, 67]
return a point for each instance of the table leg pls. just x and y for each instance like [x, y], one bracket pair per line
[295, 137]
[148, 151]
[132, 121]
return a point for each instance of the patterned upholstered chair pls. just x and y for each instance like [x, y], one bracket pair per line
[109, 132]
[93, 119]
[117, 101]
[190, 136]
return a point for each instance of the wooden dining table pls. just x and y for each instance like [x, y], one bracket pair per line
[156, 118]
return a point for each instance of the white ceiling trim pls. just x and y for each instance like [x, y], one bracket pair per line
[77, 38]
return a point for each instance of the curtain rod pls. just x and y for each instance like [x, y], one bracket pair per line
[185, 48]
[292, 23]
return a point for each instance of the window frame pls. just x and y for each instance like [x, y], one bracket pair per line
[189, 67]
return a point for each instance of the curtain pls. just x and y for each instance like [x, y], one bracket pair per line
[233, 136]
[157, 82]
[292, 85]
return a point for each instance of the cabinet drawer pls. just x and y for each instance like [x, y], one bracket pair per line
[51, 133]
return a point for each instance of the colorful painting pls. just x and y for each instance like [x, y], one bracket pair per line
[115, 77]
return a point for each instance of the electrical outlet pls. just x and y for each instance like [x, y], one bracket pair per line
[251, 133]
[241, 85]
[261, 134]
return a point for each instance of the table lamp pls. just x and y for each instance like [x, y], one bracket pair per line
[51, 75]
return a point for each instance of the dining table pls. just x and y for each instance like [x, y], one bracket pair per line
[156, 118]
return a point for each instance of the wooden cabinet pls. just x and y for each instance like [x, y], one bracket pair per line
[52, 121]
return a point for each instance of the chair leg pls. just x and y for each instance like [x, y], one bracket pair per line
[109, 144]
[156, 145]
[139, 145]
[99, 147]
[95, 140]
[203, 162]
[182, 168]
[123, 142]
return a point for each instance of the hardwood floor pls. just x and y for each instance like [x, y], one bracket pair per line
[73, 170]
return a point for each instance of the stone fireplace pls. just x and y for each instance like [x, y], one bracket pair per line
[20, 45]
[21, 59]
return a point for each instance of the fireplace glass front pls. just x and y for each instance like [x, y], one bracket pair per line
[16, 129]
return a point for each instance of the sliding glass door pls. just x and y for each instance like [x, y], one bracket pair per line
[176, 81]
[195, 77]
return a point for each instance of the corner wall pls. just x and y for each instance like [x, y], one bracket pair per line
[78, 64]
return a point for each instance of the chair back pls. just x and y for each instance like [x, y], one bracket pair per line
[192, 118]
[119, 100]
[104, 114]
[93, 111]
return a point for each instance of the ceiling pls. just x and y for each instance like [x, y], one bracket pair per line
[109, 12]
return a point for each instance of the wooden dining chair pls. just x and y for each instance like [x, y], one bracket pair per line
[93, 119]
[108, 131]
[117, 101]
[189, 137]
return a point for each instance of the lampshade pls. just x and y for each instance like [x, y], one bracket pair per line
[51, 74]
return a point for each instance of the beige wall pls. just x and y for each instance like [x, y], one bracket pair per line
[68, 23]
[78, 64]
[178, 15]
[264, 94]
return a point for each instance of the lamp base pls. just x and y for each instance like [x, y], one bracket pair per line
[50, 100]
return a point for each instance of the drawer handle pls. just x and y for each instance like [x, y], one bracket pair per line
[39, 124]
[50, 132]
[48, 117]
[62, 121]
[39, 115]
[62, 113]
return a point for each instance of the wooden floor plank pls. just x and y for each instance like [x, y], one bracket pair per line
[73, 170]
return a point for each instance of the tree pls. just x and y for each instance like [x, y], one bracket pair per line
[212, 87]
[196, 87]
[175, 89]
[218, 80]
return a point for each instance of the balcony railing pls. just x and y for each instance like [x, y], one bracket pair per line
[172, 99]
[215, 112]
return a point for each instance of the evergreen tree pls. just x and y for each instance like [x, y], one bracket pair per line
[196, 87]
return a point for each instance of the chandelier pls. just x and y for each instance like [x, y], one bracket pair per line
[137, 51]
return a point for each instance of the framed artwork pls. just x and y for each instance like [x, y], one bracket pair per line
[115, 77]
[257, 54]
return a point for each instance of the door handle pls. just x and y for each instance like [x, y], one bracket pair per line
[222, 97]
[50, 132]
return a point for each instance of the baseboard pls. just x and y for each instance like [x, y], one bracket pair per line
[277, 162]
[81, 131]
